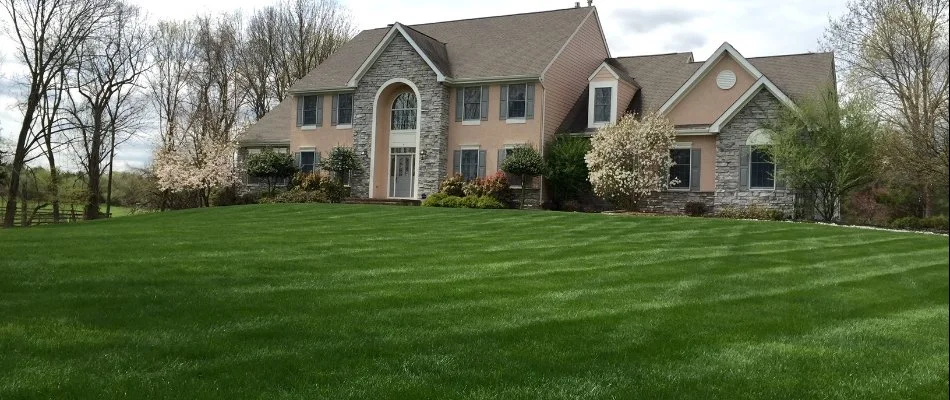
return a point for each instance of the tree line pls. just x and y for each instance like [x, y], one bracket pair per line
[99, 72]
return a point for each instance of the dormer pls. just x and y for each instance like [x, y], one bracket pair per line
[610, 92]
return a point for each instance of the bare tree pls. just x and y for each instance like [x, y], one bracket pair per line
[50, 125]
[173, 53]
[896, 52]
[109, 65]
[48, 35]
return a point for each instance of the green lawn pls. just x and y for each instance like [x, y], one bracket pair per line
[373, 302]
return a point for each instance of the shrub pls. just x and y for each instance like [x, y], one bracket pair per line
[295, 196]
[341, 161]
[695, 209]
[937, 222]
[751, 212]
[270, 166]
[907, 223]
[524, 162]
[453, 186]
[444, 200]
[434, 200]
[488, 202]
[469, 201]
[334, 190]
[495, 186]
[309, 181]
[233, 196]
[940, 223]
[565, 169]
[473, 188]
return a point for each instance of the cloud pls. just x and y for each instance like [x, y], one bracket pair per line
[685, 41]
[643, 21]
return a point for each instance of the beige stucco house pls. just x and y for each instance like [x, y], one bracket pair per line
[419, 103]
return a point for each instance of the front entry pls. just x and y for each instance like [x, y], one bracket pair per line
[402, 172]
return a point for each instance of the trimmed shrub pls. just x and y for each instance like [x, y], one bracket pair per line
[444, 200]
[695, 209]
[566, 171]
[334, 190]
[295, 196]
[488, 202]
[270, 166]
[453, 185]
[937, 222]
[751, 212]
[434, 200]
[233, 196]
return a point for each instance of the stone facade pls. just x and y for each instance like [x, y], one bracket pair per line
[762, 108]
[400, 60]
[674, 201]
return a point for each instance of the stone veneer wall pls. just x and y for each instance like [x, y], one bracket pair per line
[674, 201]
[400, 60]
[763, 107]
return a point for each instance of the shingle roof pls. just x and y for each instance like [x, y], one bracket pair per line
[659, 76]
[508, 45]
[797, 75]
[274, 128]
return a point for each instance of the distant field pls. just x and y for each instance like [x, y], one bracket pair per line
[373, 302]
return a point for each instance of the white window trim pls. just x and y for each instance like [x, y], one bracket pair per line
[683, 146]
[516, 121]
[347, 126]
[476, 121]
[469, 147]
[613, 103]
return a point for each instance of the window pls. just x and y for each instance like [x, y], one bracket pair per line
[310, 106]
[469, 164]
[602, 99]
[404, 112]
[344, 111]
[680, 169]
[472, 97]
[307, 161]
[517, 100]
[761, 169]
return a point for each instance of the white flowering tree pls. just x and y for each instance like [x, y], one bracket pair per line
[631, 159]
[201, 167]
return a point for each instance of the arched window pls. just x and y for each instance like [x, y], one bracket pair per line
[761, 165]
[404, 112]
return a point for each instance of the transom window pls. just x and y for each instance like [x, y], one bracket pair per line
[404, 112]
[517, 100]
[761, 168]
[344, 111]
[679, 171]
[469, 164]
[310, 106]
[602, 100]
[472, 97]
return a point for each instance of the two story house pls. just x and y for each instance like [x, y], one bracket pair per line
[420, 103]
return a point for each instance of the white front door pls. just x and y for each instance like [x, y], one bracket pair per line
[402, 172]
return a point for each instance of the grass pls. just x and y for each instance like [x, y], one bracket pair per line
[338, 302]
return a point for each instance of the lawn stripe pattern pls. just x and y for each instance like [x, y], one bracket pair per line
[359, 301]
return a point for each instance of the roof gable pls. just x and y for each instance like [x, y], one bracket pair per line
[434, 48]
[707, 100]
[759, 85]
[724, 50]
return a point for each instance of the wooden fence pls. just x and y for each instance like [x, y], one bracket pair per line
[44, 216]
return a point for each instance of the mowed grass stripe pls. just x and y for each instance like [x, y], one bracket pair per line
[337, 301]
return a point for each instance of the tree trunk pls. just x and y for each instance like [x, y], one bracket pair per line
[19, 155]
[523, 184]
[109, 182]
[94, 186]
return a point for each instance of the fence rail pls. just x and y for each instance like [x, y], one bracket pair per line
[44, 216]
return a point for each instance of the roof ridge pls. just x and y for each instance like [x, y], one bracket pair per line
[489, 17]
[656, 55]
[810, 53]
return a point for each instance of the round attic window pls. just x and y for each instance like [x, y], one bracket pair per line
[726, 79]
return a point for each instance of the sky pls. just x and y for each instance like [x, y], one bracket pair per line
[753, 27]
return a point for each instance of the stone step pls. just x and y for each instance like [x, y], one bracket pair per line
[388, 202]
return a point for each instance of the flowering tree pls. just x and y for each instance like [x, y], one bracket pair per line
[206, 165]
[631, 159]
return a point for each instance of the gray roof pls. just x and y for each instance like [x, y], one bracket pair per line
[479, 48]
[661, 75]
[274, 128]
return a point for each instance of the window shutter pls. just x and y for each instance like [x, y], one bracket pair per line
[503, 103]
[316, 161]
[299, 110]
[297, 159]
[334, 110]
[529, 104]
[319, 110]
[502, 154]
[694, 169]
[459, 104]
[484, 110]
[779, 178]
[457, 160]
[481, 163]
[744, 154]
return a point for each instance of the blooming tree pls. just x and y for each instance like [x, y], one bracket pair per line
[631, 159]
[204, 165]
